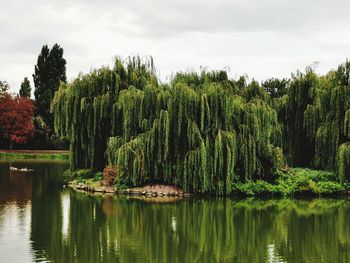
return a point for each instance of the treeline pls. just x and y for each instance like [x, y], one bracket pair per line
[315, 114]
[27, 123]
[203, 131]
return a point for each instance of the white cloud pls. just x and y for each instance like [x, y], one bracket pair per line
[264, 39]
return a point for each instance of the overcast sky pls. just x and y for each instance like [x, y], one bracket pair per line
[269, 38]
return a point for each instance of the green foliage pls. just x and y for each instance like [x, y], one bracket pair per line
[25, 89]
[344, 162]
[314, 175]
[4, 88]
[330, 187]
[81, 174]
[28, 156]
[275, 87]
[294, 182]
[201, 132]
[315, 115]
[50, 70]
[310, 182]
[253, 188]
[204, 132]
[97, 177]
[297, 129]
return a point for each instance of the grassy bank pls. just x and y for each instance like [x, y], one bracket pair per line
[294, 182]
[33, 155]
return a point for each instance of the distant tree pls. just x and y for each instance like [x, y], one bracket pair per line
[241, 82]
[25, 89]
[50, 70]
[275, 87]
[16, 114]
[4, 87]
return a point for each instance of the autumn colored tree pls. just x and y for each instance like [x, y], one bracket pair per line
[16, 114]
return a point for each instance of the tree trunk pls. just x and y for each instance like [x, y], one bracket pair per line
[11, 145]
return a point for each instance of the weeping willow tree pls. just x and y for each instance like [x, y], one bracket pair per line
[293, 111]
[87, 110]
[201, 132]
[200, 135]
[315, 114]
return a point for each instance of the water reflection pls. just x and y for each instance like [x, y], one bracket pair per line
[65, 226]
[16, 194]
[125, 230]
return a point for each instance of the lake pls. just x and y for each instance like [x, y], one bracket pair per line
[42, 222]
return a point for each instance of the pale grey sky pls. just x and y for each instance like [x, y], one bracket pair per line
[263, 39]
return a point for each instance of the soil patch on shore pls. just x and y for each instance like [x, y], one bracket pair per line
[148, 191]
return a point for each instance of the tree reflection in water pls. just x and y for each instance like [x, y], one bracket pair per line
[41, 222]
[212, 230]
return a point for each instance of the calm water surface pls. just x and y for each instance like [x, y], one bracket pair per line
[41, 222]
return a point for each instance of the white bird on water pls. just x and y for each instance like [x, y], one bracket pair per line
[12, 168]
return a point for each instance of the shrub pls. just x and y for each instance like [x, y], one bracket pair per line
[83, 174]
[258, 187]
[294, 181]
[301, 180]
[110, 175]
[343, 158]
[68, 174]
[97, 177]
[330, 187]
[315, 175]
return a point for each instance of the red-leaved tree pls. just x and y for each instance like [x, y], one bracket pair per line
[16, 114]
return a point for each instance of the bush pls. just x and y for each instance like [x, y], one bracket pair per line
[110, 175]
[82, 174]
[300, 180]
[294, 181]
[330, 187]
[315, 175]
[68, 174]
[85, 173]
[98, 177]
[254, 188]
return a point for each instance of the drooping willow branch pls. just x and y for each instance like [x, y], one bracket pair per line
[202, 131]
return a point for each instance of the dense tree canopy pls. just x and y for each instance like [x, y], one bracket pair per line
[25, 89]
[203, 131]
[315, 113]
[50, 70]
[16, 115]
[275, 87]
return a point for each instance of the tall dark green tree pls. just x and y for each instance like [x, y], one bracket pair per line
[4, 87]
[25, 89]
[50, 70]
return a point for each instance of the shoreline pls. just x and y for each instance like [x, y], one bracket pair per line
[149, 191]
[296, 182]
[34, 154]
[36, 151]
